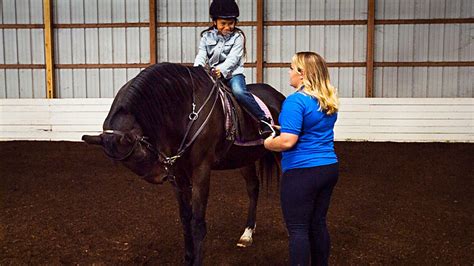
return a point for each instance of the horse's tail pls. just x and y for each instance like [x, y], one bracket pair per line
[269, 167]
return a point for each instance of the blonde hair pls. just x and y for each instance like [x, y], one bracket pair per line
[316, 80]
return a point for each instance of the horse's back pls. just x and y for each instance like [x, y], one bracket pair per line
[269, 95]
[272, 98]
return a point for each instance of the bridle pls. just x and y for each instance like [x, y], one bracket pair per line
[168, 161]
[138, 141]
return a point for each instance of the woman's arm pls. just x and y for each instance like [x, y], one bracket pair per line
[281, 143]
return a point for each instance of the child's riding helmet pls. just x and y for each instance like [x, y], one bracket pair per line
[223, 9]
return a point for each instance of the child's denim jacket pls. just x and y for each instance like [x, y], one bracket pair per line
[223, 52]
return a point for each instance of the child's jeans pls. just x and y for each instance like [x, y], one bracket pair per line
[239, 89]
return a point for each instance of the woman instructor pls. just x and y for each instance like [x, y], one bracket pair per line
[309, 163]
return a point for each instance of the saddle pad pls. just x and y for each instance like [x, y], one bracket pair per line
[257, 141]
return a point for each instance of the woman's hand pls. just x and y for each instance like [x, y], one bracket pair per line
[281, 143]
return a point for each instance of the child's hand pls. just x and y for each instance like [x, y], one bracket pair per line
[217, 72]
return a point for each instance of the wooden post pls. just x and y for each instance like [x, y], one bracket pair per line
[49, 48]
[260, 28]
[152, 6]
[369, 88]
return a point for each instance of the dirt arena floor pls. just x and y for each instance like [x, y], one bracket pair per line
[397, 204]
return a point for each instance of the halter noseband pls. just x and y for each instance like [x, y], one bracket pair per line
[136, 142]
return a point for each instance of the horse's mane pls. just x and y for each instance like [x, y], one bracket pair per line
[159, 90]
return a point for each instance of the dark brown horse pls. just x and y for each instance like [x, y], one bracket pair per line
[168, 123]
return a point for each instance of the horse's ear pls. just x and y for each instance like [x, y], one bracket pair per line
[94, 140]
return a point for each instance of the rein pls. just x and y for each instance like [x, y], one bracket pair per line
[193, 116]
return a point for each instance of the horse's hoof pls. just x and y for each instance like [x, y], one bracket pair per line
[244, 242]
[246, 238]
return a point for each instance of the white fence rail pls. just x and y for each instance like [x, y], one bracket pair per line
[360, 119]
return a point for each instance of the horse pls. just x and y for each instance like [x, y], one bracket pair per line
[165, 125]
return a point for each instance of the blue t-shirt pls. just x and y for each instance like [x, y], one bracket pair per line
[301, 116]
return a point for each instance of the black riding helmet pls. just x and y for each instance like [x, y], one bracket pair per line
[223, 9]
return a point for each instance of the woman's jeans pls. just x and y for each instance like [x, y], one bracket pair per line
[305, 196]
[239, 89]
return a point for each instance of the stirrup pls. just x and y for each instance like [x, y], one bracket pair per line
[272, 131]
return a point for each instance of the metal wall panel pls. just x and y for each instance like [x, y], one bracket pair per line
[345, 43]
[423, 9]
[335, 43]
[98, 45]
[21, 46]
[99, 11]
[424, 82]
[423, 42]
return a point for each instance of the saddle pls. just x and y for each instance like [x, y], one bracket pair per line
[242, 127]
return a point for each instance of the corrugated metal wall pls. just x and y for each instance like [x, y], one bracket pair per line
[337, 43]
[345, 43]
[99, 45]
[22, 46]
[424, 42]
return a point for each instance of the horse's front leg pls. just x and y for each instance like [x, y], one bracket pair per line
[183, 195]
[250, 175]
[200, 194]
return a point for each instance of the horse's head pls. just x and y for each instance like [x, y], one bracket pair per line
[133, 151]
[149, 116]
[124, 142]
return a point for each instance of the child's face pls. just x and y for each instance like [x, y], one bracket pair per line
[225, 25]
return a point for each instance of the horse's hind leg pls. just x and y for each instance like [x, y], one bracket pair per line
[250, 175]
